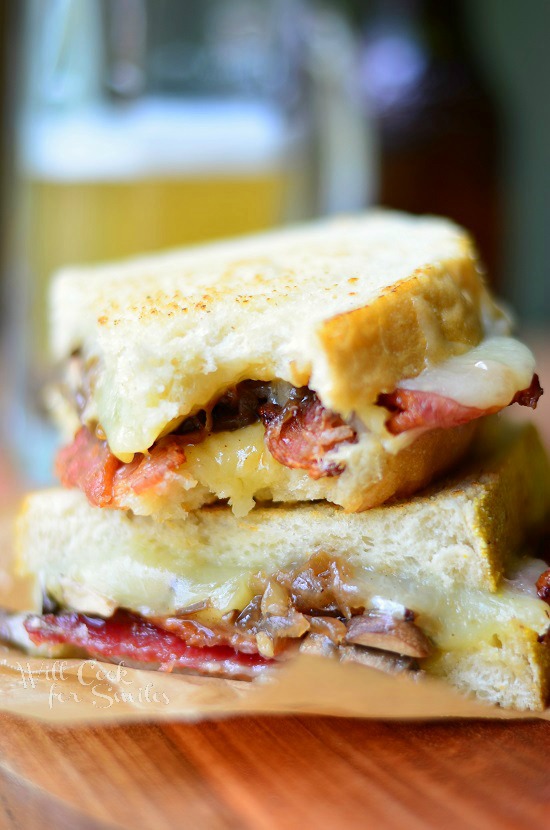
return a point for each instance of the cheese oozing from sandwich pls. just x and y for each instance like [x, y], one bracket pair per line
[347, 307]
[238, 463]
[353, 342]
[485, 377]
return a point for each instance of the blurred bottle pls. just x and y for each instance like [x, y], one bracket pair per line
[438, 124]
[147, 124]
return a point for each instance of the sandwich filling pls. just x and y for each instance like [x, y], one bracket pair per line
[312, 606]
[321, 606]
[299, 432]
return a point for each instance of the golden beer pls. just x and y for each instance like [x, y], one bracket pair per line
[89, 221]
[141, 127]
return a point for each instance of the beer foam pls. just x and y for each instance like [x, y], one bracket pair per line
[154, 137]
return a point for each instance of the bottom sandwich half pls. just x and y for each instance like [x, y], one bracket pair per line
[439, 583]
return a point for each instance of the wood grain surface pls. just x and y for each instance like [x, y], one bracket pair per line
[270, 773]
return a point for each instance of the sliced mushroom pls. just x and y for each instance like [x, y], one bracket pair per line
[385, 632]
[189, 609]
[292, 624]
[329, 626]
[275, 632]
[250, 616]
[319, 645]
[389, 663]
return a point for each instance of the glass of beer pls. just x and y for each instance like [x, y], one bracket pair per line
[149, 125]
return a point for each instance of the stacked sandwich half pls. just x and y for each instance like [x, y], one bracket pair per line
[284, 443]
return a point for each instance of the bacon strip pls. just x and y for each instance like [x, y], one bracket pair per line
[530, 396]
[300, 433]
[413, 409]
[88, 463]
[129, 636]
[543, 586]
[199, 635]
[148, 471]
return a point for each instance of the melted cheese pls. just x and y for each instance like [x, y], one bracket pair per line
[484, 377]
[461, 619]
[237, 466]
[456, 621]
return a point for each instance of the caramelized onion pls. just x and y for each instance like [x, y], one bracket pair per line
[314, 606]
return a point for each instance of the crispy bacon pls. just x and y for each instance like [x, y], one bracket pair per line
[413, 409]
[148, 471]
[195, 633]
[129, 636]
[530, 396]
[300, 433]
[88, 463]
[543, 586]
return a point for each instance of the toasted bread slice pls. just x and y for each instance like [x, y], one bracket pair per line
[461, 533]
[349, 307]
[237, 466]
[510, 667]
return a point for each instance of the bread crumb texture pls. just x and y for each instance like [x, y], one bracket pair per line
[348, 306]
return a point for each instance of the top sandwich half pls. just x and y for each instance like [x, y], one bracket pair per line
[344, 360]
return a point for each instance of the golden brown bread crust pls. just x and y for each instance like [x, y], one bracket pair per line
[432, 454]
[422, 320]
[511, 669]
[349, 307]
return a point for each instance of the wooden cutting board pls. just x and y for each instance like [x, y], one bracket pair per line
[270, 773]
